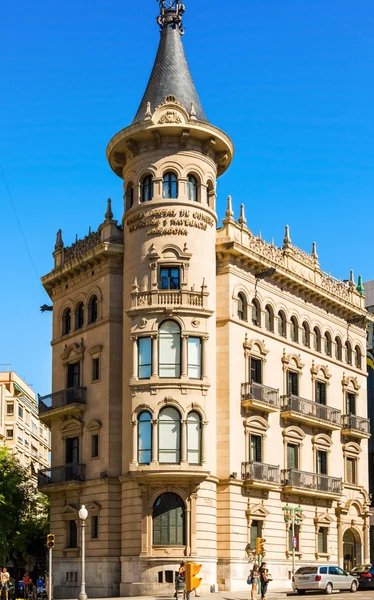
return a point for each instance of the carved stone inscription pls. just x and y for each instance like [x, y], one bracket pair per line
[169, 221]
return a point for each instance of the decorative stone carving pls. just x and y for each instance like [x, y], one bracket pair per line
[82, 246]
[170, 116]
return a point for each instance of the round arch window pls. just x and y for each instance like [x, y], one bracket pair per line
[192, 188]
[170, 186]
[147, 189]
[169, 520]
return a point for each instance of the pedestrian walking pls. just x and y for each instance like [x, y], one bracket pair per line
[180, 582]
[264, 572]
[4, 581]
[254, 578]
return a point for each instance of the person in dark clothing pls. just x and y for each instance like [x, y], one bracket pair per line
[264, 580]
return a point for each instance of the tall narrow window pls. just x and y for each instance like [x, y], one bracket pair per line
[79, 316]
[192, 188]
[144, 438]
[255, 370]
[351, 465]
[169, 340]
[321, 460]
[292, 383]
[73, 374]
[72, 451]
[292, 456]
[169, 520]
[145, 358]
[71, 534]
[321, 392]
[269, 318]
[129, 196]
[348, 353]
[282, 324]
[92, 310]
[194, 358]
[194, 438]
[170, 186]
[242, 307]
[94, 527]
[358, 361]
[351, 403]
[255, 448]
[294, 329]
[328, 344]
[317, 339]
[306, 334]
[95, 445]
[322, 540]
[96, 368]
[256, 313]
[147, 189]
[66, 321]
[170, 278]
[338, 349]
[169, 424]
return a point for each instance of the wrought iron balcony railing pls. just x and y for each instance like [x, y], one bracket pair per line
[74, 472]
[263, 393]
[308, 408]
[311, 481]
[73, 395]
[261, 472]
[355, 423]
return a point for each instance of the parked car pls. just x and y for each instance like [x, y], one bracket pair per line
[323, 578]
[365, 576]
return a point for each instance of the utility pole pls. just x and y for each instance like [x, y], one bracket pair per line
[50, 546]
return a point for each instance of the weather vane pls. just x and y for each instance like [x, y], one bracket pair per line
[171, 11]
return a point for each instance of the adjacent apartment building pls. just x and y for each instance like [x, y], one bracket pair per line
[369, 301]
[22, 431]
[203, 378]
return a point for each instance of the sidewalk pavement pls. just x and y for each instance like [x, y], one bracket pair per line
[281, 594]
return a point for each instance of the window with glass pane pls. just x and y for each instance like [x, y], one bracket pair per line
[317, 339]
[147, 189]
[242, 307]
[328, 344]
[348, 353]
[256, 313]
[72, 451]
[192, 188]
[169, 341]
[322, 540]
[169, 425]
[321, 462]
[95, 446]
[79, 316]
[170, 278]
[282, 324]
[92, 310]
[269, 319]
[66, 322]
[73, 374]
[338, 349]
[351, 470]
[321, 392]
[294, 330]
[170, 186]
[292, 456]
[94, 527]
[292, 383]
[255, 448]
[194, 438]
[144, 438]
[72, 535]
[306, 334]
[351, 403]
[255, 369]
[256, 531]
[169, 520]
[145, 357]
[194, 358]
[358, 361]
[297, 535]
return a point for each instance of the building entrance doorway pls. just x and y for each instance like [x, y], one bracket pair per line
[351, 550]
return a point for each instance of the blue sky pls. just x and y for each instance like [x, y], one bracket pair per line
[291, 81]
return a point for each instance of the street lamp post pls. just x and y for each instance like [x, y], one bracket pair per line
[83, 514]
[293, 515]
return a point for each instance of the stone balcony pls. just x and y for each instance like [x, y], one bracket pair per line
[354, 426]
[260, 475]
[62, 474]
[155, 299]
[311, 484]
[70, 401]
[305, 411]
[261, 397]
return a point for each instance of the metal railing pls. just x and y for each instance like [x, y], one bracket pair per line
[312, 409]
[170, 298]
[356, 423]
[313, 481]
[260, 472]
[73, 395]
[74, 472]
[263, 393]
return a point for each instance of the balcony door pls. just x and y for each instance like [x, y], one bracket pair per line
[292, 383]
[73, 375]
[72, 451]
[255, 370]
[255, 448]
[292, 456]
[351, 404]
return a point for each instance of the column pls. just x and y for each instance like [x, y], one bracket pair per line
[193, 525]
[134, 357]
[246, 363]
[203, 442]
[188, 528]
[134, 442]
[155, 441]
[184, 372]
[184, 442]
[204, 357]
[340, 544]
[154, 356]
[144, 543]
[366, 529]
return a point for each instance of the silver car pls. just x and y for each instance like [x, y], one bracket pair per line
[323, 578]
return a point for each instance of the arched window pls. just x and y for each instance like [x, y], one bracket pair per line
[147, 188]
[210, 194]
[358, 360]
[169, 342]
[256, 313]
[144, 438]
[92, 310]
[306, 334]
[192, 188]
[282, 324]
[169, 520]
[169, 436]
[194, 438]
[294, 329]
[317, 339]
[269, 318]
[328, 344]
[129, 195]
[348, 353]
[338, 349]
[170, 186]
[79, 316]
[242, 307]
[66, 321]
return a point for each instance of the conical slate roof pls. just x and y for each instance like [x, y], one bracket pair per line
[170, 75]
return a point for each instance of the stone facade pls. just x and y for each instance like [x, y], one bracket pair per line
[202, 378]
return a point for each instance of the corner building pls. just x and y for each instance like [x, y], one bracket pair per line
[202, 378]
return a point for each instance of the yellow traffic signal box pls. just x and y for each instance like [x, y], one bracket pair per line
[192, 582]
[260, 549]
[50, 540]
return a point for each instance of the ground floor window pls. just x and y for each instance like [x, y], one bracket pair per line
[322, 540]
[169, 520]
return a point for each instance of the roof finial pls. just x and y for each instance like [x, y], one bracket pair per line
[314, 250]
[171, 12]
[59, 243]
[109, 214]
[351, 279]
[360, 285]
[148, 112]
[193, 111]
[229, 212]
[242, 220]
[287, 239]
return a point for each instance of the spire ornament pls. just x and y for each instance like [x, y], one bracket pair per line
[59, 243]
[229, 212]
[242, 220]
[287, 238]
[360, 286]
[171, 12]
[108, 214]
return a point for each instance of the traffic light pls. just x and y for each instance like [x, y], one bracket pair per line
[50, 540]
[260, 550]
[192, 582]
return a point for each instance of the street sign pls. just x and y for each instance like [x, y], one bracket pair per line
[294, 542]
